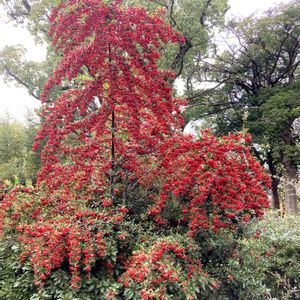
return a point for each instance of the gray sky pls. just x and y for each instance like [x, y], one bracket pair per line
[16, 100]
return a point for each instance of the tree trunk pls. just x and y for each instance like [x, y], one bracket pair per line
[290, 172]
[290, 195]
[275, 203]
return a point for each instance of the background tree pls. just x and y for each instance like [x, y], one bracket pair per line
[12, 150]
[255, 85]
[29, 74]
[32, 158]
[198, 21]
[18, 163]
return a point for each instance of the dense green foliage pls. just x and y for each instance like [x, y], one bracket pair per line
[264, 263]
[18, 163]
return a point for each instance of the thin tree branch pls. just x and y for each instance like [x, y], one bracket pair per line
[20, 81]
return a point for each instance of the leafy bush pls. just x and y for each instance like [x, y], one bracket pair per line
[263, 262]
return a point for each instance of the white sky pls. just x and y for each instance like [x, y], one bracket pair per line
[16, 100]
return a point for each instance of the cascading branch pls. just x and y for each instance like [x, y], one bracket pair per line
[216, 182]
[114, 159]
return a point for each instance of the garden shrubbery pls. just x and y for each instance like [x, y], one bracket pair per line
[259, 262]
[263, 262]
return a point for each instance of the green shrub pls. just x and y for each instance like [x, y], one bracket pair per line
[263, 263]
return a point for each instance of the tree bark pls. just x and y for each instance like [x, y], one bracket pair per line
[290, 195]
[275, 203]
[290, 172]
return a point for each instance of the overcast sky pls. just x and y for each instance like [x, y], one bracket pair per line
[16, 100]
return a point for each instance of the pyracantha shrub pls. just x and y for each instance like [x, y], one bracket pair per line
[168, 266]
[115, 165]
[215, 182]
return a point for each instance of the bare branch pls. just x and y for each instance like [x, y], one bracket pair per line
[26, 5]
[203, 15]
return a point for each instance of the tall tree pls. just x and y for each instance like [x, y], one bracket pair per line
[254, 84]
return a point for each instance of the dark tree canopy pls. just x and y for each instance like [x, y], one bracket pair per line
[255, 85]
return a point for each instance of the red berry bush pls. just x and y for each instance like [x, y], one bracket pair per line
[121, 191]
